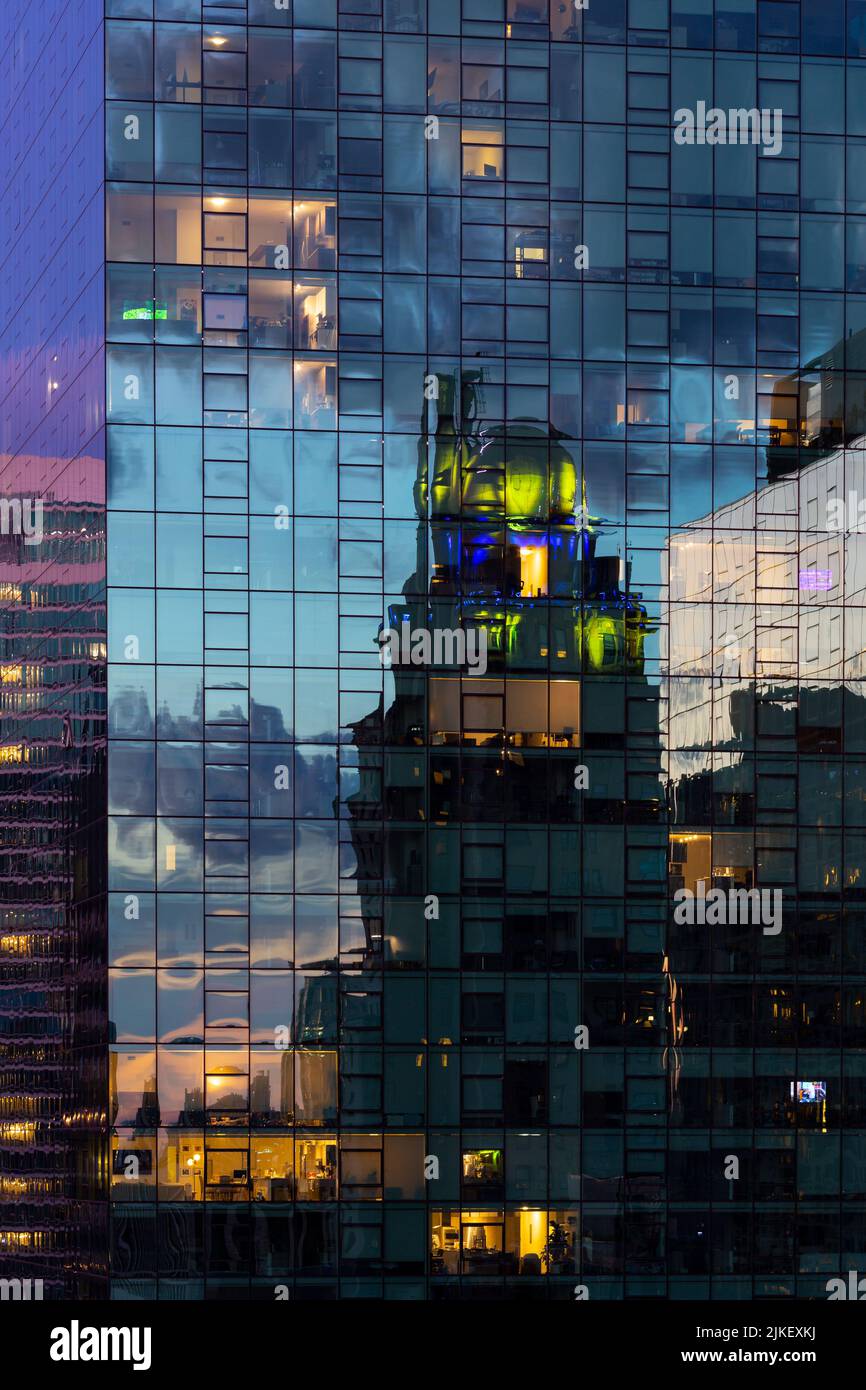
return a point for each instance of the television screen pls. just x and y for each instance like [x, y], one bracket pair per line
[807, 1092]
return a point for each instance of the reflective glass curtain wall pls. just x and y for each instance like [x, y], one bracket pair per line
[422, 319]
[53, 1020]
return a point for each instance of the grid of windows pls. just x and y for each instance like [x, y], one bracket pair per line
[423, 317]
[53, 1212]
[431, 321]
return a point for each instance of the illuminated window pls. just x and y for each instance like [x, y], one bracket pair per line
[483, 152]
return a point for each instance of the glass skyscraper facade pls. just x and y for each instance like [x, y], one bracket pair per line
[344, 340]
[53, 983]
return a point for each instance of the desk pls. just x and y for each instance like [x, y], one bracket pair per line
[273, 1189]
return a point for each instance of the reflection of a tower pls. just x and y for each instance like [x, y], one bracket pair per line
[260, 1094]
[505, 545]
[52, 913]
[286, 1075]
[192, 1113]
[147, 1115]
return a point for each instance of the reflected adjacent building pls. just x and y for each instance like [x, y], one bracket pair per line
[53, 1008]
[762, 617]
[485, 779]
[321, 320]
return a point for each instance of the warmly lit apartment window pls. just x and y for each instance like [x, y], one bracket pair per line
[483, 711]
[225, 230]
[315, 312]
[562, 1245]
[564, 713]
[270, 231]
[690, 860]
[270, 309]
[227, 1169]
[316, 1170]
[315, 394]
[272, 1168]
[723, 859]
[541, 713]
[533, 553]
[133, 1167]
[481, 1168]
[529, 1241]
[177, 223]
[181, 1166]
[467, 1242]
[526, 1240]
[444, 709]
[315, 223]
[483, 150]
[530, 260]
[536, 713]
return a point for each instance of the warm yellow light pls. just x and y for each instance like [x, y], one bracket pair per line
[16, 1240]
[533, 569]
[19, 1133]
[488, 136]
[14, 945]
[218, 40]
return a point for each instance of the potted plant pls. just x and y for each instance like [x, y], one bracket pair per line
[557, 1249]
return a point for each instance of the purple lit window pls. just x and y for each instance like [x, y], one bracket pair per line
[816, 579]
